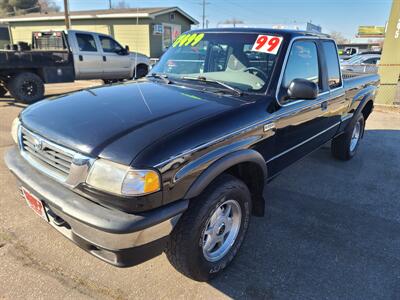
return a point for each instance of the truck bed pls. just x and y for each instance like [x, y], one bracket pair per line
[357, 82]
[54, 66]
[34, 58]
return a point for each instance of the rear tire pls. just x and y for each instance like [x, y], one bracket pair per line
[210, 233]
[344, 147]
[26, 87]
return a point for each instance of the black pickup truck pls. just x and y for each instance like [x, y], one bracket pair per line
[65, 56]
[178, 161]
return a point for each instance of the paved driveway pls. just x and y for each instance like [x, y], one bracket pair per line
[332, 231]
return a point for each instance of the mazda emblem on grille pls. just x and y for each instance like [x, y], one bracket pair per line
[38, 145]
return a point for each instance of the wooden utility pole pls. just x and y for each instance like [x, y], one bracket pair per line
[203, 3]
[66, 14]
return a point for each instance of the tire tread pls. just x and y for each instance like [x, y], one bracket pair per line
[177, 253]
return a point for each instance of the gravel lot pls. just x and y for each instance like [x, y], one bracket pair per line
[332, 231]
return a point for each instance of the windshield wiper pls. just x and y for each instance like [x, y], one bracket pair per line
[163, 77]
[223, 84]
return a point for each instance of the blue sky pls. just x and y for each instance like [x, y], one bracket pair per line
[333, 15]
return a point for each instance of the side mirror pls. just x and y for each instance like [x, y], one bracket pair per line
[302, 89]
[127, 48]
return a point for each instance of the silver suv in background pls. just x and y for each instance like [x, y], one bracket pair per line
[362, 63]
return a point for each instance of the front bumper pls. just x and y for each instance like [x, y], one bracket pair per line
[117, 237]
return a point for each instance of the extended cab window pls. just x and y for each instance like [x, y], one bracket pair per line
[302, 63]
[109, 45]
[86, 42]
[332, 63]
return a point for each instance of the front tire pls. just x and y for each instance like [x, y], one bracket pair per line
[26, 87]
[211, 231]
[140, 71]
[344, 147]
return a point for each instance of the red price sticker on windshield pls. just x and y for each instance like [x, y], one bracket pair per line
[267, 44]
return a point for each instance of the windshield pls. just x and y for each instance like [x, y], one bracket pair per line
[241, 60]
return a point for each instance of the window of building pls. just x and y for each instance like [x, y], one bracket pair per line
[86, 42]
[170, 34]
[332, 63]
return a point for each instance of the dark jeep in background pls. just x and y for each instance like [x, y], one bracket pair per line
[178, 161]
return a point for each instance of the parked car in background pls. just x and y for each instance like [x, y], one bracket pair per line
[178, 161]
[348, 53]
[362, 63]
[65, 56]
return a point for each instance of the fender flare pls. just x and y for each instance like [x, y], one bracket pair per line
[367, 98]
[361, 105]
[223, 164]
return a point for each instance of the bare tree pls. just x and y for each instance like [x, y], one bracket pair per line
[121, 4]
[233, 21]
[339, 38]
[18, 7]
[48, 6]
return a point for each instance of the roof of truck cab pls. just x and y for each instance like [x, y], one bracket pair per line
[286, 32]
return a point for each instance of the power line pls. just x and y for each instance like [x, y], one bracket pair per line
[204, 3]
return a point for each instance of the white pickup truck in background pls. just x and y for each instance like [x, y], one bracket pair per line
[65, 56]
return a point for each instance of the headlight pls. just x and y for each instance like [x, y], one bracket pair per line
[119, 179]
[14, 129]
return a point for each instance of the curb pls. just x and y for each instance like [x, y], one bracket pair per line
[387, 108]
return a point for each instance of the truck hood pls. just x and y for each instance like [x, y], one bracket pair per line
[140, 57]
[117, 122]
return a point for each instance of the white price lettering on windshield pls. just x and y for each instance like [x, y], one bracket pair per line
[267, 44]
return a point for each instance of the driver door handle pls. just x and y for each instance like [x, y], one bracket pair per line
[324, 105]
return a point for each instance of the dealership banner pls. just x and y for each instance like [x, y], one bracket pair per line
[375, 31]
